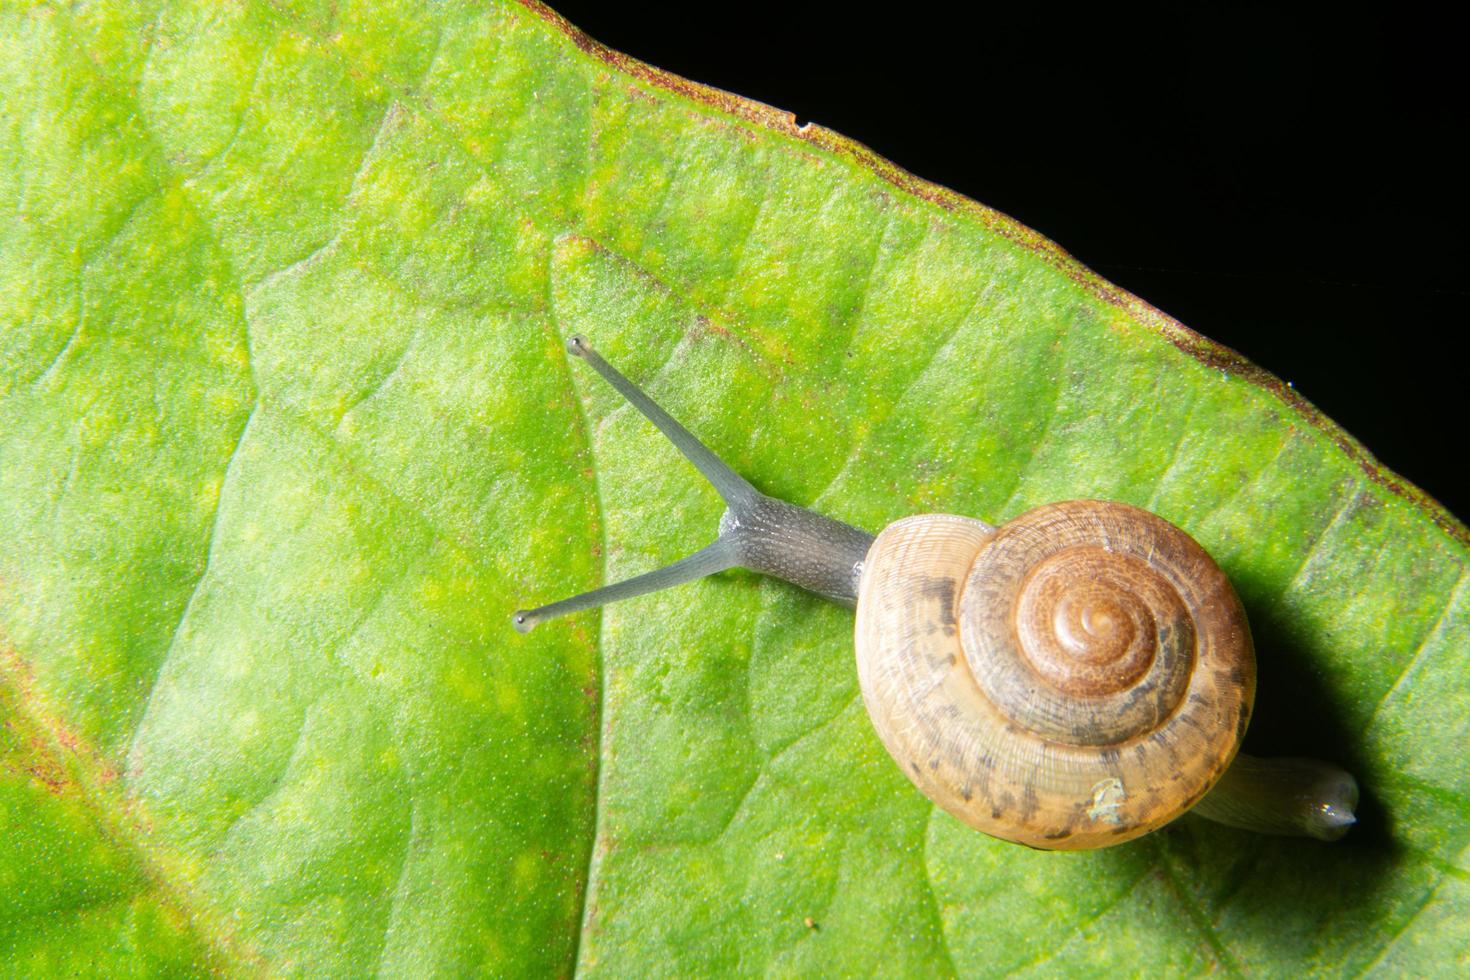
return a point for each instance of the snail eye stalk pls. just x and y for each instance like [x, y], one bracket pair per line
[757, 532]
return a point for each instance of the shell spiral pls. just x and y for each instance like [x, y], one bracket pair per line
[1075, 678]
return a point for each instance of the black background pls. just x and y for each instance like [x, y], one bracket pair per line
[1286, 183]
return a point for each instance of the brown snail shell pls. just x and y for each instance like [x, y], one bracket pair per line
[1072, 679]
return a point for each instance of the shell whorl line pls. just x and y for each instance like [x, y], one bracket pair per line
[1083, 619]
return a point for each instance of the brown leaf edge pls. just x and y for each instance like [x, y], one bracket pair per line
[1213, 355]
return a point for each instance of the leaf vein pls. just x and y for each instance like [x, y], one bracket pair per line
[598, 774]
[1398, 933]
[931, 900]
[1194, 912]
[913, 382]
[1424, 645]
[1175, 456]
[1033, 452]
[1305, 566]
[210, 543]
[1230, 498]
[1076, 928]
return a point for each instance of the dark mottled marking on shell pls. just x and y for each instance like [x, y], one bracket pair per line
[942, 591]
[1166, 745]
[937, 662]
[1028, 801]
[1195, 798]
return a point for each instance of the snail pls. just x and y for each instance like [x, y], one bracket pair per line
[1074, 678]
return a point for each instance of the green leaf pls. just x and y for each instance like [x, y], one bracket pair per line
[286, 431]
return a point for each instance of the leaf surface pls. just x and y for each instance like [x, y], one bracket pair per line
[286, 431]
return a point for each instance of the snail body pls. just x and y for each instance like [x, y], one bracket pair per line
[1074, 678]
